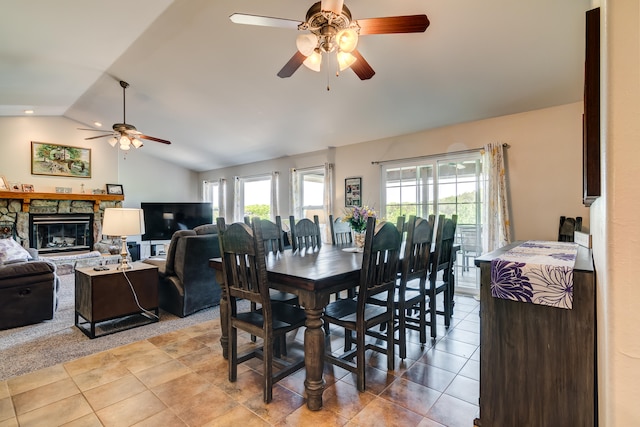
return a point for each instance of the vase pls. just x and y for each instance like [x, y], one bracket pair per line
[358, 239]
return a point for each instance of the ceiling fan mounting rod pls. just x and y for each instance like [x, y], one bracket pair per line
[124, 85]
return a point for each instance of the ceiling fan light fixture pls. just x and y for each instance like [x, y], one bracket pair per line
[306, 43]
[345, 60]
[347, 39]
[112, 141]
[334, 6]
[136, 143]
[313, 61]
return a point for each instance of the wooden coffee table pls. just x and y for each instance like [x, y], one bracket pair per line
[105, 298]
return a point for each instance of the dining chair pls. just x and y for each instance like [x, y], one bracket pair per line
[245, 273]
[567, 228]
[273, 238]
[441, 271]
[410, 297]
[305, 234]
[377, 275]
[340, 231]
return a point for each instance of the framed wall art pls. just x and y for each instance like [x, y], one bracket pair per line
[60, 160]
[4, 184]
[353, 192]
[115, 189]
[27, 188]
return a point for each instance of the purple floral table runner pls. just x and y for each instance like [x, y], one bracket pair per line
[536, 272]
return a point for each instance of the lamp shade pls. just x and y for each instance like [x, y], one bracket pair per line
[347, 39]
[313, 61]
[306, 43]
[122, 222]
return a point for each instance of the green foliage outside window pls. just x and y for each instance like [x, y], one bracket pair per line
[261, 211]
[466, 208]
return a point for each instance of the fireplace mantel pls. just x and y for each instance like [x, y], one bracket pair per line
[27, 197]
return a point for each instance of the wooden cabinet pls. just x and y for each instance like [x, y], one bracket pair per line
[538, 363]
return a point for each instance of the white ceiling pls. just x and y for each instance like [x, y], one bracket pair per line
[210, 86]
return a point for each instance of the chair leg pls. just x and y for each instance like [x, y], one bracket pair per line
[253, 308]
[432, 313]
[360, 361]
[233, 353]
[267, 354]
[423, 320]
[402, 332]
[390, 346]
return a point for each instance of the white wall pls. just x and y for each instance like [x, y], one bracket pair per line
[544, 161]
[144, 178]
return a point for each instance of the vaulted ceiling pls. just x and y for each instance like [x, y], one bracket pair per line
[210, 86]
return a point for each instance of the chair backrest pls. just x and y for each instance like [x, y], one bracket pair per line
[567, 227]
[443, 250]
[469, 238]
[417, 250]
[305, 233]
[379, 271]
[272, 235]
[340, 231]
[243, 263]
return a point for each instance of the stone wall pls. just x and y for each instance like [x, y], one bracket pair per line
[11, 211]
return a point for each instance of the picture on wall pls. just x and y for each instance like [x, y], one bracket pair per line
[60, 160]
[115, 189]
[352, 192]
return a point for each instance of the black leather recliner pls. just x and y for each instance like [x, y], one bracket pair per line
[187, 284]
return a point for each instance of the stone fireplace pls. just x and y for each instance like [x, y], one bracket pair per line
[20, 209]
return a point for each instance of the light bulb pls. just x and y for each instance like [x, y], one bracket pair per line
[313, 61]
[347, 39]
[345, 60]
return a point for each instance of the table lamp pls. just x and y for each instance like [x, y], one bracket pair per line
[123, 222]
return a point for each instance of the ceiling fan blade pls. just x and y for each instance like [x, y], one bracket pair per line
[264, 21]
[394, 24]
[96, 130]
[334, 6]
[290, 67]
[361, 67]
[151, 138]
[100, 136]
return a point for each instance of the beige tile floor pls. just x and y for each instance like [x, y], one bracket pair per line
[180, 379]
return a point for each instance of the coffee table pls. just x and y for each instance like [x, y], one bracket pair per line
[104, 299]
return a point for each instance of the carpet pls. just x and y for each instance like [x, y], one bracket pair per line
[29, 348]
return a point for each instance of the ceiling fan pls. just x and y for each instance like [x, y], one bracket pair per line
[332, 29]
[124, 133]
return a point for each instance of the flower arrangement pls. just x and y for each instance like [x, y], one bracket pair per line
[357, 217]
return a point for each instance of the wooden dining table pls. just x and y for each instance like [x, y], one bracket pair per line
[313, 275]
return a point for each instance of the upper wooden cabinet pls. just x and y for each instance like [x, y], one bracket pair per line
[591, 117]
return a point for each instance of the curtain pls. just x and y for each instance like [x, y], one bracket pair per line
[275, 211]
[496, 230]
[219, 203]
[294, 197]
[222, 197]
[328, 199]
[238, 200]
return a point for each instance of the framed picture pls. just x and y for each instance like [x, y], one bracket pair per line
[4, 184]
[60, 160]
[353, 192]
[15, 186]
[115, 189]
[27, 188]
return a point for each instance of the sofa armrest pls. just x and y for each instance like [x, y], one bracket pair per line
[160, 263]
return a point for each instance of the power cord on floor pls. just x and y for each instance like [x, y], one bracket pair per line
[135, 296]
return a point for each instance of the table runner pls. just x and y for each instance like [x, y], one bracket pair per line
[536, 272]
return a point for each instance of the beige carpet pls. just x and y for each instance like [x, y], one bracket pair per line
[48, 343]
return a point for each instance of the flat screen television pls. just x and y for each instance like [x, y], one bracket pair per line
[162, 219]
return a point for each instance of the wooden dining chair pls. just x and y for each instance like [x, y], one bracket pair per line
[441, 272]
[340, 231]
[411, 296]
[567, 227]
[377, 276]
[305, 234]
[245, 272]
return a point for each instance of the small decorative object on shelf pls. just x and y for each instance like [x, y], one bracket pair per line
[357, 217]
[28, 188]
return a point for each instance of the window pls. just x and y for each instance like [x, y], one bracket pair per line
[312, 193]
[443, 185]
[213, 191]
[256, 197]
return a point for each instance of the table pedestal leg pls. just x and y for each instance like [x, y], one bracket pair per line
[314, 358]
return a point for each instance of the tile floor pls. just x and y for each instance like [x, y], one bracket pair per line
[180, 379]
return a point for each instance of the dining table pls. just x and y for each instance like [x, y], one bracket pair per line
[313, 275]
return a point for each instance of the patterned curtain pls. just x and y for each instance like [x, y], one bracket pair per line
[496, 227]
[275, 211]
